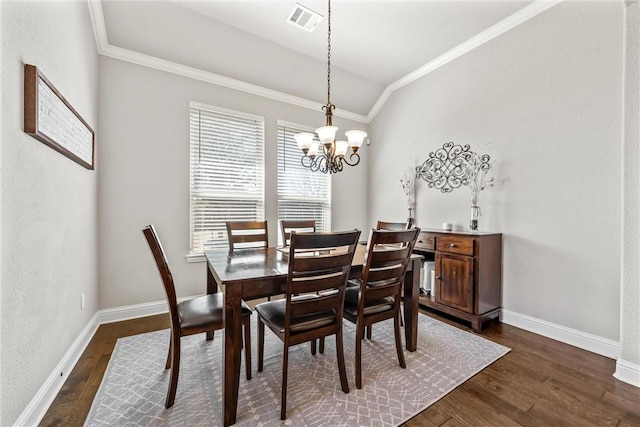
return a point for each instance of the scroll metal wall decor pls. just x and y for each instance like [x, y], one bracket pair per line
[49, 118]
[447, 168]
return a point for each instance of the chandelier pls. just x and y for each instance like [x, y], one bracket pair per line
[330, 155]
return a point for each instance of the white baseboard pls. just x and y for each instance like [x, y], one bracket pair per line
[128, 312]
[583, 340]
[627, 372]
[35, 410]
[135, 311]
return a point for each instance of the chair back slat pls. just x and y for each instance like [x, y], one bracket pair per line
[390, 253]
[325, 270]
[321, 303]
[323, 240]
[287, 226]
[320, 260]
[165, 273]
[385, 274]
[247, 234]
[313, 283]
[384, 225]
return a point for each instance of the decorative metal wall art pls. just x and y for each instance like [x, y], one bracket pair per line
[453, 166]
[447, 168]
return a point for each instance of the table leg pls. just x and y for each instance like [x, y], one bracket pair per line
[411, 295]
[231, 352]
[212, 288]
[212, 285]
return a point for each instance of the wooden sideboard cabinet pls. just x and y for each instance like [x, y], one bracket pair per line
[468, 274]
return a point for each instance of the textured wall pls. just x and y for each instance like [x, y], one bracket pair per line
[49, 203]
[144, 175]
[630, 295]
[546, 99]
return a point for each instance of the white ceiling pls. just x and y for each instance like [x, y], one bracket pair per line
[373, 43]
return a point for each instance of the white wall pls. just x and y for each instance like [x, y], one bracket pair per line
[547, 97]
[630, 295]
[144, 175]
[49, 203]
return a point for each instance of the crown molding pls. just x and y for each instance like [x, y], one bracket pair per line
[105, 49]
[127, 55]
[216, 79]
[97, 21]
[510, 22]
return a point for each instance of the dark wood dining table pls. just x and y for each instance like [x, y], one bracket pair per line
[255, 273]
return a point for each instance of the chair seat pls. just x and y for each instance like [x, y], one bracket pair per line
[272, 313]
[352, 300]
[205, 311]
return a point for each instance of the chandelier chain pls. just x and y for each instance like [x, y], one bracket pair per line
[329, 55]
[328, 156]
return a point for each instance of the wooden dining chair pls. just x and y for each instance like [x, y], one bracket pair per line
[193, 316]
[378, 296]
[318, 262]
[384, 225]
[247, 234]
[287, 226]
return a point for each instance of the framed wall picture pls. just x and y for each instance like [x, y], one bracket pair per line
[49, 118]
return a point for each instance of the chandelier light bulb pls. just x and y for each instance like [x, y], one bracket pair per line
[313, 150]
[356, 138]
[327, 134]
[304, 141]
[341, 148]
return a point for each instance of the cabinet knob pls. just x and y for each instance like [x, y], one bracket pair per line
[452, 245]
[438, 277]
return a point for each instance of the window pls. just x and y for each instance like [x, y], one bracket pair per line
[302, 194]
[227, 172]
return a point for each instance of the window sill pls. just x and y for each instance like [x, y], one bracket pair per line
[195, 257]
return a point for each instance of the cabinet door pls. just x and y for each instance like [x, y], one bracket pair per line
[455, 281]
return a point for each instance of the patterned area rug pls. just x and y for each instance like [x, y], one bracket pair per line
[133, 390]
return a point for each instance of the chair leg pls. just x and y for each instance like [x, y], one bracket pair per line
[210, 336]
[260, 344]
[359, 337]
[401, 318]
[247, 345]
[168, 364]
[369, 331]
[396, 329]
[283, 398]
[175, 370]
[321, 345]
[341, 367]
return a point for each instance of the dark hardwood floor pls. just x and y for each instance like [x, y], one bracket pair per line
[540, 382]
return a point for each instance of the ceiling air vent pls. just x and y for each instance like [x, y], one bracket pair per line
[304, 17]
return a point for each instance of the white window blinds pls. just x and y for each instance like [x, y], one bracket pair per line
[227, 172]
[302, 194]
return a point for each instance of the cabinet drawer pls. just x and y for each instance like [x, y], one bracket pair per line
[455, 245]
[425, 242]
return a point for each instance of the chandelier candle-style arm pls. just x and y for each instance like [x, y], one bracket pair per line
[329, 155]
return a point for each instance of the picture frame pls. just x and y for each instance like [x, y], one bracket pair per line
[49, 118]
